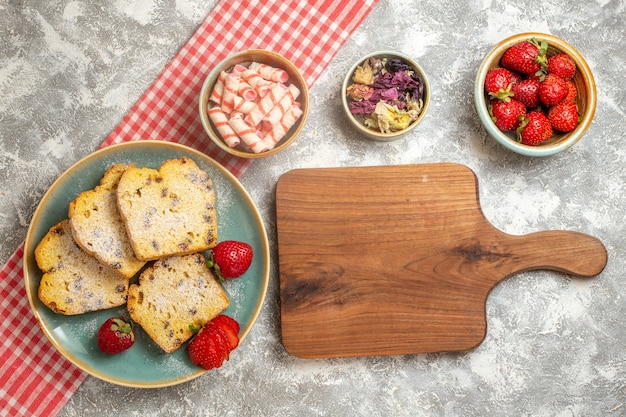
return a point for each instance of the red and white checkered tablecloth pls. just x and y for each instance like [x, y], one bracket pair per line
[307, 32]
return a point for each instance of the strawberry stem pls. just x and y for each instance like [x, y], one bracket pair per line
[542, 57]
[123, 328]
[210, 263]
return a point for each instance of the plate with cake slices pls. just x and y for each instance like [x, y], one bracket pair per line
[141, 209]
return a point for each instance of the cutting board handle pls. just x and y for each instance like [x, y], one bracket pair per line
[564, 251]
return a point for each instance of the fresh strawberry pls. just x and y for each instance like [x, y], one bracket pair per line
[562, 65]
[225, 320]
[564, 116]
[212, 345]
[220, 337]
[516, 78]
[207, 349]
[506, 114]
[572, 91]
[534, 129]
[230, 259]
[527, 92]
[230, 328]
[552, 90]
[498, 82]
[230, 335]
[527, 57]
[115, 336]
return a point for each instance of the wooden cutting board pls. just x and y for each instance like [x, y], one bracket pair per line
[399, 259]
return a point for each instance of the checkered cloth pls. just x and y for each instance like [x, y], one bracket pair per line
[36, 379]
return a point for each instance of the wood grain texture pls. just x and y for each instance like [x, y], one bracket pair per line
[399, 259]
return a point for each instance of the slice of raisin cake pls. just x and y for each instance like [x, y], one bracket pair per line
[173, 294]
[73, 281]
[170, 211]
[98, 228]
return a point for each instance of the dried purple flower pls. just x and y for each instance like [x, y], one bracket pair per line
[363, 108]
[392, 82]
[397, 64]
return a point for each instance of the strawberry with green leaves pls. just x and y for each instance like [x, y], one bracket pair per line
[506, 115]
[534, 129]
[527, 57]
[498, 83]
[115, 336]
[230, 259]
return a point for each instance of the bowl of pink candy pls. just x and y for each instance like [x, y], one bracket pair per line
[254, 103]
[385, 95]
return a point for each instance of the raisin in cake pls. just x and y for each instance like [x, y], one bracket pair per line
[98, 228]
[73, 281]
[173, 294]
[170, 211]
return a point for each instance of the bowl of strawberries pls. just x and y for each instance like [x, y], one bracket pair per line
[535, 94]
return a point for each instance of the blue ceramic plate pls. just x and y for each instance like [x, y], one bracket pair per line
[145, 365]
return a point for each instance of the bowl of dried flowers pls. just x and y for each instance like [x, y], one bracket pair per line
[385, 95]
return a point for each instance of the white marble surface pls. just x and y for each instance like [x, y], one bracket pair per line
[555, 344]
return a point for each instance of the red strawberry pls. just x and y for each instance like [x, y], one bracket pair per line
[220, 337]
[230, 259]
[562, 65]
[534, 129]
[229, 333]
[115, 336]
[564, 116]
[526, 57]
[212, 345]
[552, 90]
[515, 78]
[498, 83]
[207, 349]
[572, 91]
[527, 92]
[506, 114]
[225, 320]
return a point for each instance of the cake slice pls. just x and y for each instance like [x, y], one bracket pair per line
[173, 294]
[170, 211]
[97, 226]
[73, 281]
